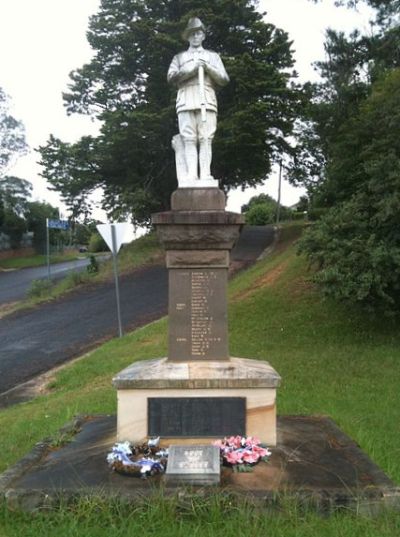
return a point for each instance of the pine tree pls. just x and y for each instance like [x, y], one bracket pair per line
[125, 87]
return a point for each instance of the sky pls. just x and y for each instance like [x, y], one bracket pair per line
[42, 41]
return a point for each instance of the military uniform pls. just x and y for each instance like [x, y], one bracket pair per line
[188, 100]
[197, 73]
[188, 103]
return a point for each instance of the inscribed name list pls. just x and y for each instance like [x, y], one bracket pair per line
[197, 314]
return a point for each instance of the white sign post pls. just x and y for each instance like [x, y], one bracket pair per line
[115, 235]
[52, 223]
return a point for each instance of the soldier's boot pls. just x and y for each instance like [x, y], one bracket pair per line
[191, 156]
[205, 156]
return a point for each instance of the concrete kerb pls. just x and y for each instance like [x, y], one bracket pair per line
[32, 388]
[38, 452]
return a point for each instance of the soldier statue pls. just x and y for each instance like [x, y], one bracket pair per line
[197, 73]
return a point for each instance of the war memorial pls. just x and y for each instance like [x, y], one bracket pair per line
[199, 393]
[199, 390]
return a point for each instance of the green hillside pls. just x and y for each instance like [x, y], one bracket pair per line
[333, 361]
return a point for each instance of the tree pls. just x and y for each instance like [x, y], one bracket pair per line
[83, 232]
[387, 10]
[13, 191]
[356, 245]
[14, 195]
[36, 214]
[346, 77]
[302, 205]
[349, 157]
[353, 63]
[97, 243]
[12, 138]
[262, 210]
[19, 214]
[125, 88]
[261, 215]
[263, 199]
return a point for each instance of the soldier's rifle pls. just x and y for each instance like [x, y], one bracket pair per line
[202, 89]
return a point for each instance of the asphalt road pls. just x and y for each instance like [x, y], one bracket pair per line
[14, 284]
[252, 243]
[36, 340]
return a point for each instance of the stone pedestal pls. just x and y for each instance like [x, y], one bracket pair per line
[246, 389]
[198, 392]
[197, 244]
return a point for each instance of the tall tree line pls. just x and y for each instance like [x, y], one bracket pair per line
[349, 157]
[18, 213]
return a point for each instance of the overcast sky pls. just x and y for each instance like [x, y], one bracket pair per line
[41, 41]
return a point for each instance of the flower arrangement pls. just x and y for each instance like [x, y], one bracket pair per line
[138, 461]
[242, 452]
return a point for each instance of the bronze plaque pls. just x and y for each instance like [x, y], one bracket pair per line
[198, 314]
[196, 417]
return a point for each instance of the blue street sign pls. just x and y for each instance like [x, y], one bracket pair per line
[58, 224]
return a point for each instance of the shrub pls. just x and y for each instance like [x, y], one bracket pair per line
[40, 288]
[77, 278]
[93, 267]
[260, 215]
[97, 243]
[355, 244]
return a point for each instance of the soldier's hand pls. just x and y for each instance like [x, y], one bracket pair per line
[203, 63]
[189, 69]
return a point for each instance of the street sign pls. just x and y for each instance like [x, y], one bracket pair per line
[53, 223]
[123, 232]
[57, 224]
[115, 235]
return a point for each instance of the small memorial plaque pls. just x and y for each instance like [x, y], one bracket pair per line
[193, 465]
[196, 417]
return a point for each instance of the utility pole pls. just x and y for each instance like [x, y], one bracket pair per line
[278, 208]
[48, 249]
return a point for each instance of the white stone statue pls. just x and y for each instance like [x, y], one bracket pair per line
[197, 73]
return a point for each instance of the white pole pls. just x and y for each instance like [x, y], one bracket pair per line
[278, 209]
[48, 248]
[115, 264]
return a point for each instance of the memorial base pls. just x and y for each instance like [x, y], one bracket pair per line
[193, 402]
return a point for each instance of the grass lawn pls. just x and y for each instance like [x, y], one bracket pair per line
[333, 361]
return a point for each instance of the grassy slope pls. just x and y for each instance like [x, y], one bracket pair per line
[332, 360]
[139, 252]
[36, 260]
[143, 250]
